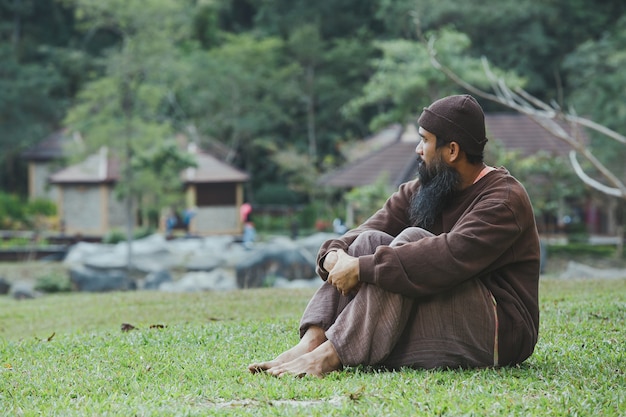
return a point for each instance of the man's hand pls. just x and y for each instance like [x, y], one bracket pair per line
[330, 260]
[344, 275]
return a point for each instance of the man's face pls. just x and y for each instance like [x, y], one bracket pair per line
[430, 160]
[438, 182]
[427, 148]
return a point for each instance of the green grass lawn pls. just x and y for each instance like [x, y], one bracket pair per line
[67, 355]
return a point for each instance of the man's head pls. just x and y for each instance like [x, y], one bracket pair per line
[449, 128]
[457, 119]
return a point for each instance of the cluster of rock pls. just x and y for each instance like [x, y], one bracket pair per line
[208, 263]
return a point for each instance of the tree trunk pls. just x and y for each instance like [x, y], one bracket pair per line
[310, 113]
[127, 106]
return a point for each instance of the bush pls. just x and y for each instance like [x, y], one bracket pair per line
[117, 235]
[582, 249]
[52, 283]
[276, 194]
[17, 214]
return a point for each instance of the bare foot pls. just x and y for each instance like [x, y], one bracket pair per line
[313, 338]
[318, 362]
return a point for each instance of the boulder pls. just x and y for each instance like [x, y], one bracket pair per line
[298, 283]
[5, 286]
[281, 258]
[154, 279]
[216, 280]
[84, 278]
[577, 270]
[23, 291]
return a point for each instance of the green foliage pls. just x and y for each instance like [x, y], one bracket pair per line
[116, 236]
[44, 62]
[262, 77]
[11, 210]
[159, 168]
[236, 93]
[529, 37]
[539, 173]
[16, 213]
[575, 249]
[53, 283]
[405, 81]
[368, 199]
[297, 169]
[595, 72]
[276, 194]
[40, 207]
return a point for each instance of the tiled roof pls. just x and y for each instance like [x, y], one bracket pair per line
[520, 132]
[49, 148]
[211, 169]
[95, 169]
[396, 159]
[100, 168]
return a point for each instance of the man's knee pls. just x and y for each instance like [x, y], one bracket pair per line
[367, 242]
[410, 234]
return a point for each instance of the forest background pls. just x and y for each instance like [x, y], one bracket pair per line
[279, 87]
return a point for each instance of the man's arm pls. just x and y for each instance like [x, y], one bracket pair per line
[392, 218]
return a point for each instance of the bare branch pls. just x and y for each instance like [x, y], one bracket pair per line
[544, 115]
[615, 192]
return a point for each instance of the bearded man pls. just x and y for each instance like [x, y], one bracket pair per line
[444, 275]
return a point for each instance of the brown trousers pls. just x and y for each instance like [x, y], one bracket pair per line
[454, 329]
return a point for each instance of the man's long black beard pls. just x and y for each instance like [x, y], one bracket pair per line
[437, 185]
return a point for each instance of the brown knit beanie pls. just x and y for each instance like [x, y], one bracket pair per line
[459, 119]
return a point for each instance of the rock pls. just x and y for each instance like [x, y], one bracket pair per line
[202, 262]
[576, 270]
[154, 279]
[78, 252]
[105, 260]
[154, 262]
[5, 286]
[279, 259]
[102, 267]
[216, 280]
[99, 280]
[315, 282]
[23, 291]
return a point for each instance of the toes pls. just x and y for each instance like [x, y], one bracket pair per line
[259, 367]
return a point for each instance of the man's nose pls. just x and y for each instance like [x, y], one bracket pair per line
[419, 148]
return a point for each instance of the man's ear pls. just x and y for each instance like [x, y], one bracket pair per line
[453, 153]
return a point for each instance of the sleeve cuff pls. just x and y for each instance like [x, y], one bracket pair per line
[367, 269]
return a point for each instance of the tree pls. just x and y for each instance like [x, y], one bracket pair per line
[239, 94]
[126, 110]
[529, 37]
[551, 118]
[37, 78]
[404, 81]
[307, 47]
[160, 168]
[546, 116]
[27, 110]
[597, 81]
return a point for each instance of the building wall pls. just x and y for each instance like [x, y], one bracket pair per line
[38, 173]
[116, 211]
[81, 209]
[216, 219]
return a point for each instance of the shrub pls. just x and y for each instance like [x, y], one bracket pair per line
[117, 235]
[52, 283]
[276, 194]
[16, 213]
[581, 249]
